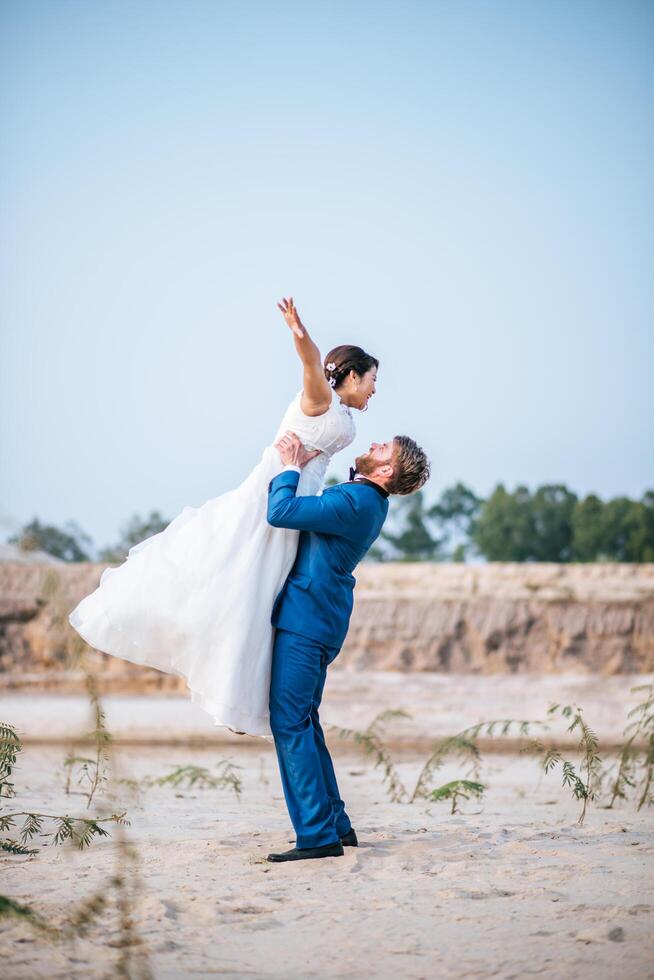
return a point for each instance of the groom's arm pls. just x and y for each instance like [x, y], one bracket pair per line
[332, 513]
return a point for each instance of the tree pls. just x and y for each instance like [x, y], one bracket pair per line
[552, 507]
[69, 543]
[136, 530]
[616, 530]
[412, 541]
[504, 529]
[615, 527]
[640, 535]
[520, 526]
[628, 527]
[454, 515]
[588, 528]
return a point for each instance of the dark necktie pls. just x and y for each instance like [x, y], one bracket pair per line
[352, 474]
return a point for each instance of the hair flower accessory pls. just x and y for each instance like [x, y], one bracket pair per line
[330, 367]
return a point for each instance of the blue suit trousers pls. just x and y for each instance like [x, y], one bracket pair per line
[299, 669]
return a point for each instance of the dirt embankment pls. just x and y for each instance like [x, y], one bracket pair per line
[490, 619]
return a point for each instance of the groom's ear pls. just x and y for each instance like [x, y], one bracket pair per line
[385, 471]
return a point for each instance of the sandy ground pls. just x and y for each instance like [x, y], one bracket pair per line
[512, 887]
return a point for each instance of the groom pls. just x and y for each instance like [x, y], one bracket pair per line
[312, 614]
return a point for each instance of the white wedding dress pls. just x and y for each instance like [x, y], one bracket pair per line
[196, 599]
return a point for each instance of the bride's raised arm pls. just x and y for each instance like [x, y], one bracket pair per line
[317, 394]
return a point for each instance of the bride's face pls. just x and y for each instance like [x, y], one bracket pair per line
[361, 388]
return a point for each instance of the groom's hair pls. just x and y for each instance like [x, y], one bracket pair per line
[411, 468]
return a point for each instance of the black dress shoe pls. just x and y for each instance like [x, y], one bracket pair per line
[302, 853]
[350, 839]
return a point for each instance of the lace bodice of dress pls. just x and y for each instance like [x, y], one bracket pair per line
[331, 432]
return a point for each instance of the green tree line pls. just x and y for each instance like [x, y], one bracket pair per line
[549, 524]
[70, 542]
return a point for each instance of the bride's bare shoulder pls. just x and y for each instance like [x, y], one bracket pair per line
[301, 406]
[311, 408]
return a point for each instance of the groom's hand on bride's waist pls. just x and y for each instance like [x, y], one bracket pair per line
[292, 452]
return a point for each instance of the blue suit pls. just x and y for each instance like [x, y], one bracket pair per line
[311, 615]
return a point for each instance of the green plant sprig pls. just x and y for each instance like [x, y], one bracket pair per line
[464, 744]
[641, 727]
[79, 830]
[10, 746]
[583, 787]
[457, 789]
[126, 883]
[199, 777]
[371, 741]
[77, 924]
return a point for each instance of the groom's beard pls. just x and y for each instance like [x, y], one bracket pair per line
[367, 464]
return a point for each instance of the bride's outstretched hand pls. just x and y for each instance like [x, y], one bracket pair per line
[292, 316]
[316, 393]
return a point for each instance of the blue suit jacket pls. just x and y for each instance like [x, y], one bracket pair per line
[337, 529]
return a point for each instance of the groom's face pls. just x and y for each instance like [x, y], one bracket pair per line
[377, 461]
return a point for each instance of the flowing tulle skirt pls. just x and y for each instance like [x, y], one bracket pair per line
[195, 600]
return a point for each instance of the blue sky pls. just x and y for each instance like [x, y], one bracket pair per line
[462, 188]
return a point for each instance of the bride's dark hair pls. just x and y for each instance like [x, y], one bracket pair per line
[341, 360]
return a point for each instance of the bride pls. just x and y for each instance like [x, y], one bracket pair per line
[196, 599]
